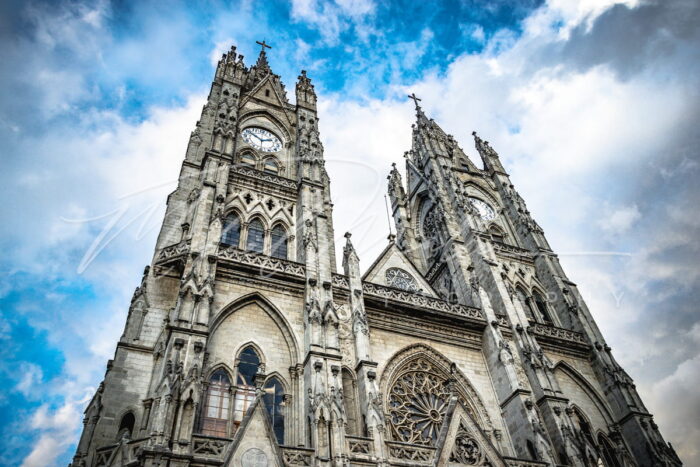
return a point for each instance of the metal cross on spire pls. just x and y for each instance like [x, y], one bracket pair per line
[263, 45]
[415, 98]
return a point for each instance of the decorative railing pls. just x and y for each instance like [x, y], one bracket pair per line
[297, 456]
[410, 454]
[423, 301]
[209, 447]
[357, 446]
[104, 454]
[340, 281]
[267, 265]
[558, 333]
[173, 251]
[512, 250]
[128, 448]
[514, 462]
[264, 176]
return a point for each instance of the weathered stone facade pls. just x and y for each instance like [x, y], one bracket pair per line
[463, 344]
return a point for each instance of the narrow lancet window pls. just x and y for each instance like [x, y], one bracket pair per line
[231, 233]
[217, 405]
[274, 403]
[248, 365]
[256, 236]
[279, 242]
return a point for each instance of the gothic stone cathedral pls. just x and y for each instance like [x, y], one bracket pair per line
[464, 343]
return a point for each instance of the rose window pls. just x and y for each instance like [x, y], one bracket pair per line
[418, 401]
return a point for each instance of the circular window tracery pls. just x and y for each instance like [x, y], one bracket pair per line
[397, 277]
[417, 402]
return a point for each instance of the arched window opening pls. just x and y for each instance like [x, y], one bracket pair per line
[542, 307]
[216, 407]
[608, 452]
[431, 233]
[248, 160]
[397, 277]
[248, 365]
[525, 302]
[271, 167]
[279, 242]
[497, 234]
[231, 233]
[274, 403]
[126, 426]
[350, 398]
[583, 426]
[256, 236]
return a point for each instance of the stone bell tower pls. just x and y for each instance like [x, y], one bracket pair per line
[471, 235]
[247, 242]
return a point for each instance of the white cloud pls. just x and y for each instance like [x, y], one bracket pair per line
[619, 220]
[332, 18]
[30, 379]
[58, 430]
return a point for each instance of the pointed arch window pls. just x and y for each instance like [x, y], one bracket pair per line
[583, 426]
[274, 403]
[231, 233]
[497, 234]
[542, 306]
[350, 399]
[248, 365]
[126, 426]
[271, 166]
[525, 302]
[279, 242]
[256, 236]
[607, 451]
[217, 405]
[248, 160]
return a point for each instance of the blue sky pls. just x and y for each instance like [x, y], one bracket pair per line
[593, 106]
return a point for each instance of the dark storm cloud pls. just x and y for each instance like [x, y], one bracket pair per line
[632, 40]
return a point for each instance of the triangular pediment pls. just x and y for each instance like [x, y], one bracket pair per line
[254, 443]
[269, 91]
[462, 442]
[393, 257]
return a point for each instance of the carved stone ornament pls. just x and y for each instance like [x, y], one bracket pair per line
[466, 450]
[254, 457]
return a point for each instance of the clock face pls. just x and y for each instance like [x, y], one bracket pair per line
[484, 209]
[261, 139]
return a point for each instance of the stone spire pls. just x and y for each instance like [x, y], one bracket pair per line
[489, 156]
[305, 94]
[396, 190]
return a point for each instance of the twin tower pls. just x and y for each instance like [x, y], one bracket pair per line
[464, 343]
